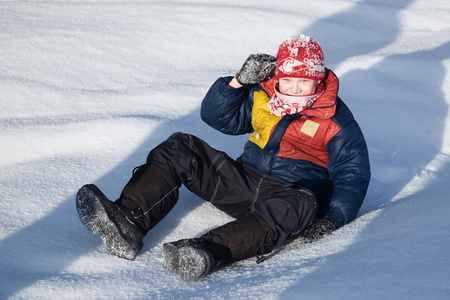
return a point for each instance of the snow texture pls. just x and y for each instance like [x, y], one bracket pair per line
[89, 87]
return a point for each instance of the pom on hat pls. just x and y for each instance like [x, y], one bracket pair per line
[301, 57]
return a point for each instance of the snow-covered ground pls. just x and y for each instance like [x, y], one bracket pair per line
[87, 88]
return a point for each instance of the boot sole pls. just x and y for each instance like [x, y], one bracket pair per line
[96, 213]
[194, 263]
[171, 254]
[189, 262]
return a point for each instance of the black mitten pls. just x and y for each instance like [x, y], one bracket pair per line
[321, 228]
[256, 68]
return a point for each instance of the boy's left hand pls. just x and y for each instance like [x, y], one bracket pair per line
[321, 228]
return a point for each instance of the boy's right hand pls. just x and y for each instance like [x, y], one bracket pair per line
[256, 68]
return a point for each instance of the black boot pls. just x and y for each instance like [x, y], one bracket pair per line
[115, 225]
[193, 259]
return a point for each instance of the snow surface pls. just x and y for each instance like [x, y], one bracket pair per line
[89, 87]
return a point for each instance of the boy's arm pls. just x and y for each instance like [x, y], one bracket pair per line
[228, 109]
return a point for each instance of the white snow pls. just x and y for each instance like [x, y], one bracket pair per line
[87, 88]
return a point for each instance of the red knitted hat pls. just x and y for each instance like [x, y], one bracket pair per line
[301, 57]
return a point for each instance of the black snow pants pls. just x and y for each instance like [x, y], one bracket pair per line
[266, 209]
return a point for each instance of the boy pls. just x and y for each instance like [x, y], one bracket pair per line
[304, 171]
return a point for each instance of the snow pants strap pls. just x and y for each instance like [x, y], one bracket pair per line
[150, 194]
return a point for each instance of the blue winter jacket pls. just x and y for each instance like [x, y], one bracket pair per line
[321, 148]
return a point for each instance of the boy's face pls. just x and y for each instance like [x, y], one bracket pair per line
[294, 86]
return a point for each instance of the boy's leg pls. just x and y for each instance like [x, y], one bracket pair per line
[283, 208]
[278, 213]
[212, 175]
[153, 191]
[150, 194]
[185, 159]
[279, 210]
[245, 237]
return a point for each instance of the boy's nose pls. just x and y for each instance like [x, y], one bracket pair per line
[295, 89]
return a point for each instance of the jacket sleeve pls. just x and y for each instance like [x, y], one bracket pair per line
[349, 170]
[228, 109]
